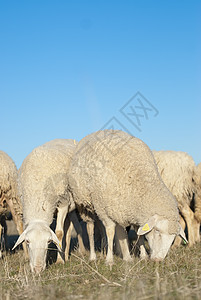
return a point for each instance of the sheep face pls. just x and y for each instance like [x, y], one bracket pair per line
[156, 232]
[37, 236]
[160, 241]
[37, 240]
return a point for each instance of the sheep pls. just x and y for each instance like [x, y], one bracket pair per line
[114, 175]
[178, 171]
[9, 198]
[72, 220]
[43, 189]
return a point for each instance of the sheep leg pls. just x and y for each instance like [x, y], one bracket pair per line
[141, 246]
[110, 231]
[68, 230]
[123, 242]
[78, 229]
[61, 215]
[117, 247]
[90, 231]
[196, 228]
[178, 239]
[103, 237]
[189, 218]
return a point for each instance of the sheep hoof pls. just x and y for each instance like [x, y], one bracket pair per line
[60, 260]
[109, 263]
[128, 259]
[92, 257]
[143, 253]
[82, 251]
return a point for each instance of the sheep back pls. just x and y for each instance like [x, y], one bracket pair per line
[115, 174]
[43, 179]
[8, 182]
[177, 170]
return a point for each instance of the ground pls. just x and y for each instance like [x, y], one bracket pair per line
[177, 277]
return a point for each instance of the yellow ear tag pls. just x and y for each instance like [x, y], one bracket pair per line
[145, 227]
[60, 245]
[74, 142]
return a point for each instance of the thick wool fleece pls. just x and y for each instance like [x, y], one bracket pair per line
[43, 180]
[177, 170]
[8, 183]
[115, 175]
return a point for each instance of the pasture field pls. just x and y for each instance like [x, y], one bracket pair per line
[177, 277]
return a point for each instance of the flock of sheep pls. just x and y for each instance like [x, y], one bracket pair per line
[109, 178]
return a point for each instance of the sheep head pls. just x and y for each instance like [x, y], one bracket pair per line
[159, 239]
[38, 236]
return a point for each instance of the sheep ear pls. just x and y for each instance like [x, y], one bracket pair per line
[20, 240]
[147, 227]
[182, 234]
[56, 241]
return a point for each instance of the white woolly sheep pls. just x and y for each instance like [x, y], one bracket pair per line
[115, 176]
[62, 210]
[178, 171]
[9, 199]
[43, 188]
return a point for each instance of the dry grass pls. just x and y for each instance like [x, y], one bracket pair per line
[177, 277]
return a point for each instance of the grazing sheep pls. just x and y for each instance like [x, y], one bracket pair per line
[64, 226]
[178, 172]
[115, 176]
[9, 199]
[43, 189]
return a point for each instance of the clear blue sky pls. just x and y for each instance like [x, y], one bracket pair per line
[68, 67]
